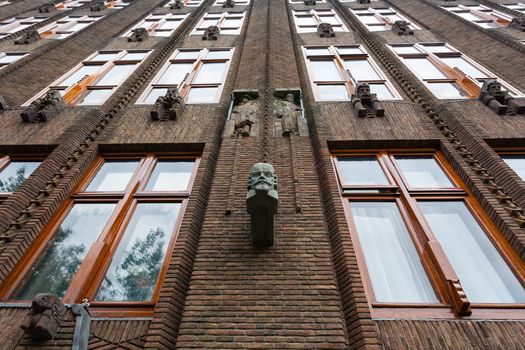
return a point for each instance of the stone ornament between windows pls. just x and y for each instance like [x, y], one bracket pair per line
[46, 8]
[310, 2]
[97, 6]
[138, 35]
[44, 108]
[365, 103]
[363, 1]
[169, 106]
[244, 116]
[211, 33]
[289, 113]
[228, 3]
[497, 100]
[177, 5]
[261, 203]
[325, 30]
[28, 38]
[401, 28]
[47, 311]
[518, 23]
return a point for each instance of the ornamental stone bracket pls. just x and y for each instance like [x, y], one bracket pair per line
[168, 107]
[43, 322]
[44, 108]
[365, 103]
[500, 101]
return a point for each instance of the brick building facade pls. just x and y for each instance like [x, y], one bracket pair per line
[332, 280]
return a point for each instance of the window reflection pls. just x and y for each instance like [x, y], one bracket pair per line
[114, 175]
[361, 171]
[12, 176]
[170, 176]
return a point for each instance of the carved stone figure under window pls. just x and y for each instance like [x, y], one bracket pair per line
[325, 30]
[364, 101]
[211, 33]
[262, 202]
[46, 8]
[28, 38]
[169, 106]
[402, 28]
[363, 1]
[497, 100]
[289, 113]
[309, 2]
[177, 5]
[244, 115]
[138, 34]
[47, 311]
[44, 108]
[518, 23]
[228, 3]
[97, 6]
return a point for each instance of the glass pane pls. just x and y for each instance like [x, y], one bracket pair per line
[187, 55]
[72, 240]
[317, 51]
[134, 56]
[517, 163]
[405, 49]
[15, 174]
[305, 21]
[332, 92]
[137, 262]
[446, 90]
[464, 66]
[117, 74]
[170, 24]
[197, 95]
[392, 261]
[154, 94]
[104, 56]
[437, 48]
[424, 68]
[383, 93]
[218, 54]
[482, 271]
[361, 70]
[9, 58]
[210, 73]
[114, 175]
[349, 50]
[324, 71]
[170, 175]
[79, 74]
[361, 171]
[175, 73]
[423, 172]
[95, 97]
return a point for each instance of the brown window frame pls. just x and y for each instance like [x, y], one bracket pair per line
[435, 263]
[511, 151]
[5, 160]
[87, 280]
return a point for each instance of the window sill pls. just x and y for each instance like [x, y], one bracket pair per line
[440, 311]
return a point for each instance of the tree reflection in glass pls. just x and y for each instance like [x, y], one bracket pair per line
[15, 174]
[137, 262]
[72, 240]
[170, 176]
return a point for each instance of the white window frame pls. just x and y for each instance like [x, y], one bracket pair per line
[105, 67]
[187, 3]
[346, 79]
[517, 6]
[487, 15]
[187, 82]
[21, 54]
[317, 15]
[160, 20]
[237, 2]
[296, 2]
[59, 29]
[9, 26]
[451, 52]
[380, 14]
[221, 18]
[3, 3]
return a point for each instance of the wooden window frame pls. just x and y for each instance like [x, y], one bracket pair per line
[380, 16]
[88, 278]
[62, 25]
[485, 15]
[471, 86]
[187, 84]
[511, 151]
[223, 16]
[316, 15]
[8, 25]
[22, 54]
[433, 258]
[5, 160]
[347, 80]
[155, 20]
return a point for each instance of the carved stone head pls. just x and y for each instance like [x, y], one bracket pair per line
[290, 98]
[245, 99]
[262, 178]
[363, 89]
[43, 302]
[491, 87]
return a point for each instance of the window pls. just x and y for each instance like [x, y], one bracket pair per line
[229, 23]
[110, 240]
[3, 3]
[71, 4]
[334, 72]
[199, 74]
[94, 80]
[353, 0]
[66, 26]
[189, 3]
[520, 6]
[159, 25]
[307, 21]
[445, 71]
[16, 24]
[421, 238]
[516, 161]
[377, 19]
[302, 1]
[9, 57]
[13, 172]
[237, 2]
[481, 15]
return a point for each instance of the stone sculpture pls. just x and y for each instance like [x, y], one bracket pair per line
[228, 3]
[363, 100]
[176, 5]
[169, 106]
[44, 108]
[325, 30]
[46, 8]
[363, 1]
[28, 38]
[97, 6]
[262, 202]
[289, 113]
[401, 28]
[138, 34]
[310, 2]
[497, 100]
[244, 115]
[47, 311]
[211, 33]
[518, 23]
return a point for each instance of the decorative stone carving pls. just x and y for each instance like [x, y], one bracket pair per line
[46, 8]
[518, 23]
[363, 1]
[169, 106]
[138, 34]
[97, 6]
[176, 5]
[325, 30]
[28, 38]
[211, 33]
[244, 116]
[289, 113]
[364, 101]
[262, 202]
[3, 104]
[47, 311]
[310, 2]
[401, 28]
[228, 3]
[497, 100]
[44, 108]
